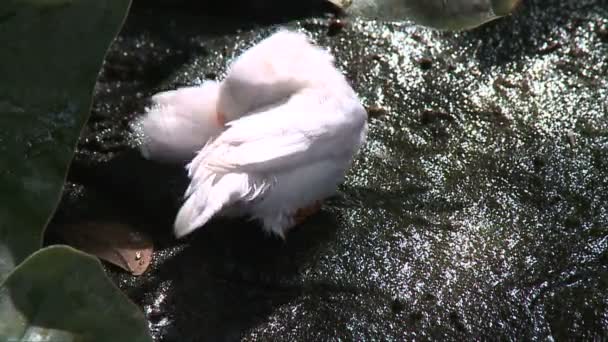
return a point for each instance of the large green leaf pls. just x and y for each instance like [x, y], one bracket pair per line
[50, 55]
[62, 294]
[441, 14]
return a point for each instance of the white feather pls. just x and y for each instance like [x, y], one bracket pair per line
[272, 70]
[208, 199]
[180, 122]
[276, 161]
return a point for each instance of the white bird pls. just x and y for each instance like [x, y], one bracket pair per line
[292, 127]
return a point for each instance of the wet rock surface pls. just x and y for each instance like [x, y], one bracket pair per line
[477, 209]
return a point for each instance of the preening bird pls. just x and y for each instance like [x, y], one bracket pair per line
[272, 140]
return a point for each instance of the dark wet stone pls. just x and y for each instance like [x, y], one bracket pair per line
[425, 63]
[336, 26]
[397, 305]
[375, 112]
[469, 214]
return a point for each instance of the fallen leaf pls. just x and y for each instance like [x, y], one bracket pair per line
[116, 243]
[440, 14]
[341, 3]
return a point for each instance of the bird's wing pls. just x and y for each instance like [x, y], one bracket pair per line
[308, 127]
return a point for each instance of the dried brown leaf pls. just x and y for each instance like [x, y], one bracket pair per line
[116, 243]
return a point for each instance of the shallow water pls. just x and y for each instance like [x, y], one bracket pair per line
[477, 209]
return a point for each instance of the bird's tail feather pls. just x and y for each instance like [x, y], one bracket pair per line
[179, 123]
[208, 198]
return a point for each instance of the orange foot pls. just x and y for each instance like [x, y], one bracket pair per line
[220, 118]
[303, 213]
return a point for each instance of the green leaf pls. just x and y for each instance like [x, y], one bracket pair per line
[62, 294]
[440, 14]
[51, 53]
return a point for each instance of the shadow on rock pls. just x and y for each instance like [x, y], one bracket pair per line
[218, 283]
[246, 12]
[229, 278]
[128, 188]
